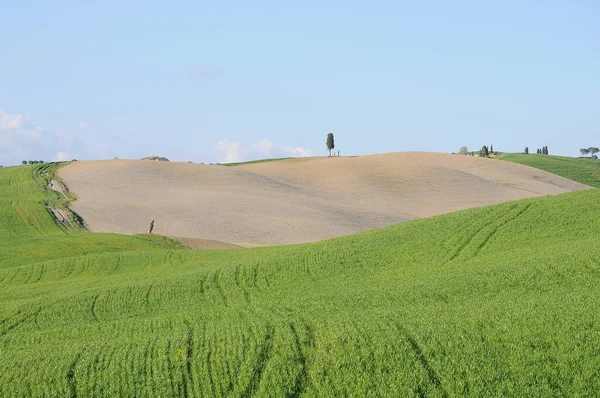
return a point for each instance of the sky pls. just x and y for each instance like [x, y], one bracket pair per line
[225, 81]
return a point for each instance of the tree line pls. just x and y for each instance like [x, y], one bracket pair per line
[592, 151]
[32, 162]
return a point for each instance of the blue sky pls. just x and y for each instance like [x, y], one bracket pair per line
[217, 81]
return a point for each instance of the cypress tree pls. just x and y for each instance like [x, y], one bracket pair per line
[330, 143]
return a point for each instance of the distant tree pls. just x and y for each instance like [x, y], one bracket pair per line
[463, 150]
[30, 162]
[330, 143]
[491, 149]
[41, 161]
[23, 162]
[484, 153]
[593, 150]
[151, 227]
[526, 150]
[584, 151]
[545, 150]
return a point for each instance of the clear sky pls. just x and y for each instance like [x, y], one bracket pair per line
[232, 80]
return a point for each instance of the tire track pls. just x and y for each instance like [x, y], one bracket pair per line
[500, 226]
[220, 290]
[301, 382]
[20, 322]
[512, 214]
[70, 377]
[93, 307]
[431, 373]
[261, 363]
[467, 241]
[188, 377]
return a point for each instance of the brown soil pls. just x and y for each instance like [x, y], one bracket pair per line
[294, 200]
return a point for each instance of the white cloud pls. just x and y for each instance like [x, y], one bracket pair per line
[232, 151]
[61, 157]
[238, 152]
[265, 146]
[8, 121]
[21, 140]
[83, 125]
[297, 152]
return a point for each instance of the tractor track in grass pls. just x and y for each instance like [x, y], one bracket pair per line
[93, 307]
[187, 378]
[261, 363]
[301, 382]
[20, 322]
[434, 379]
[71, 377]
[516, 210]
[502, 224]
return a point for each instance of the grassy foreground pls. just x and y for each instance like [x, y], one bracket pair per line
[497, 301]
[583, 170]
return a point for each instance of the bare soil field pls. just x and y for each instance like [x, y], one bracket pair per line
[293, 200]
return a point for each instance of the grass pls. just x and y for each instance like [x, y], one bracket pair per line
[30, 233]
[495, 301]
[583, 170]
[253, 161]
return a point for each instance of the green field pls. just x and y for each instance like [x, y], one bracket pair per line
[583, 170]
[252, 162]
[496, 301]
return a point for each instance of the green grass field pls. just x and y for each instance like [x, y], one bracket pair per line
[496, 301]
[583, 170]
[252, 162]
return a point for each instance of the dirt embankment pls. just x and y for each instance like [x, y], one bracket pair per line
[293, 200]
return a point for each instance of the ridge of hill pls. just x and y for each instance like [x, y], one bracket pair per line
[499, 300]
[583, 170]
[294, 200]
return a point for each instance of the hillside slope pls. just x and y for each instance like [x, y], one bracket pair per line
[294, 200]
[496, 301]
[585, 171]
[29, 233]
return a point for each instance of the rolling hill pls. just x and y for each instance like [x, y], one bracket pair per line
[294, 200]
[584, 170]
[492, 301]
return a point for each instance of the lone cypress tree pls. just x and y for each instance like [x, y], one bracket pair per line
[526, 150]
[151, 227]
[330, 143]
[491, 148]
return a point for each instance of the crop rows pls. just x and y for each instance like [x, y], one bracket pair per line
[493, 301]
